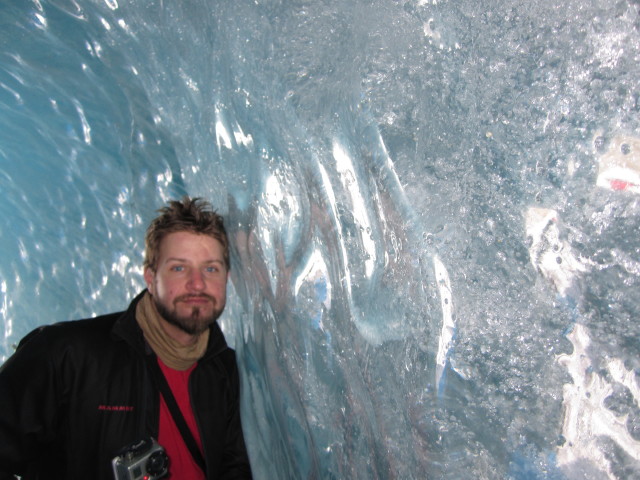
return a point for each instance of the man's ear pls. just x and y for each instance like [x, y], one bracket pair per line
[149, 275]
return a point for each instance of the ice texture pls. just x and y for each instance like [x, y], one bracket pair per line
[433, 209]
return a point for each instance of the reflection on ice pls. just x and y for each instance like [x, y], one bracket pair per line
[315, 272]
[445, 341]
[359, 206]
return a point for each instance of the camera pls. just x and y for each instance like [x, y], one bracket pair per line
[142, 460]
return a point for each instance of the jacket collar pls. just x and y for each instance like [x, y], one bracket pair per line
[127, 328]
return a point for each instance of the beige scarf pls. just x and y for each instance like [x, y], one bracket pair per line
[172, 353]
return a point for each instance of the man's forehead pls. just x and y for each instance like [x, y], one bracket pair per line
[186, 236]
[178, 244]
[184, 259]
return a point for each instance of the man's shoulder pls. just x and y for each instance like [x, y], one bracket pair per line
[97, 326]
[68, 331]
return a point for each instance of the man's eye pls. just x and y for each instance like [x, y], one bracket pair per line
[178, 268]
[211, 269]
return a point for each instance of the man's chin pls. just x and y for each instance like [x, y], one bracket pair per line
[192, 321]
[191, 326]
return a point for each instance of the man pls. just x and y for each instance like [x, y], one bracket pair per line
[76, 393]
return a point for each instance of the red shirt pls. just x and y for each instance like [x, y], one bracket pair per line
[181, 462]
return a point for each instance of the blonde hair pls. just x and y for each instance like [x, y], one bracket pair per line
[193, 215]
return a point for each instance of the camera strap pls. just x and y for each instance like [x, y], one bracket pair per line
[181, 423]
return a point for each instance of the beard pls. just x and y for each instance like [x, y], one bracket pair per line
[193, 323]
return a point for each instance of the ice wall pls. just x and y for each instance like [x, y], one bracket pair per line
[433, 206]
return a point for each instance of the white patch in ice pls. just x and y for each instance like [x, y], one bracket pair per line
[586, 417]
[609, 48]
[550, 255]
[430, 32]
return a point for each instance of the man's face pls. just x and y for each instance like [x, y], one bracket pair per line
[189, 285]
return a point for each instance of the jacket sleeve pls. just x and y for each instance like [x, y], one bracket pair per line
[236, 464]
[29, 403]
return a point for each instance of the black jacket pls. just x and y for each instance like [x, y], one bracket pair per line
[75, 393]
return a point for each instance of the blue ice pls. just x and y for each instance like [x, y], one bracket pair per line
[433, 208]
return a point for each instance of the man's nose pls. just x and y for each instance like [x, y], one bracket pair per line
[196, 280]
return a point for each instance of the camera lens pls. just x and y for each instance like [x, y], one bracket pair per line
[157, 463]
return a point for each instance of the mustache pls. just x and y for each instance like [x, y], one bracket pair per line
[199, 296]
